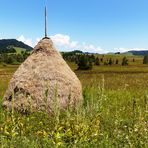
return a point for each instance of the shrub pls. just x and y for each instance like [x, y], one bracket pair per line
[97, 61]
[110, 61]
[145, 59]
[84, 63]
[10, 60]
[117, 61]
[124, 61]
[101, 59]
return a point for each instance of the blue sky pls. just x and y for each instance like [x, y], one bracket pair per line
[88, 25]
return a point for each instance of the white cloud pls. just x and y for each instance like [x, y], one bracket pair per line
[60, 39]
[65, 42]
[28, 41]
[73, 44]
[25, 40]
[36, 41]
[92, 48]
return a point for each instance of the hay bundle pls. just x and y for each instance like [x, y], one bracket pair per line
[42, 79]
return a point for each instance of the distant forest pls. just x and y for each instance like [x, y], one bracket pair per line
[13, 58]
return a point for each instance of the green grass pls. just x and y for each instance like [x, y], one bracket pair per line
[19, 50]
[114, 113]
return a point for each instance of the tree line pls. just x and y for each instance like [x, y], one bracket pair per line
[86, 61]
[13, 58]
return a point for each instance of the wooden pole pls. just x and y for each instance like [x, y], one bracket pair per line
[45, 22]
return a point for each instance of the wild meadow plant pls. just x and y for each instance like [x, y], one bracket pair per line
[107, 118]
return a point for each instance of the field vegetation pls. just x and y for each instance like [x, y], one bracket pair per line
[114, 112]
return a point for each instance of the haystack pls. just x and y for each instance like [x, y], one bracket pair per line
[42, 80]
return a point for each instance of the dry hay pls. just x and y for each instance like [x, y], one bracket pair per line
[43, 79]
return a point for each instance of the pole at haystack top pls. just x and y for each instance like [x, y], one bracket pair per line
[45, 22]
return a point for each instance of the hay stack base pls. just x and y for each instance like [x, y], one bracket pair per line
[43, 80]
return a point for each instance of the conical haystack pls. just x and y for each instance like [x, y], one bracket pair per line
[43, 80]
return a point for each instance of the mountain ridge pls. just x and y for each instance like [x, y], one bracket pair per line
[142, 52]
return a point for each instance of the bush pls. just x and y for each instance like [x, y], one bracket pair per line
[10, 60]
[97, 61]
[117, 61]
[84, 63]
[145, 59]
[101, 59]
[124, 61]
[110, 61]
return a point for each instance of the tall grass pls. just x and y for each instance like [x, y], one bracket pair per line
[107, 118]
[114, 113]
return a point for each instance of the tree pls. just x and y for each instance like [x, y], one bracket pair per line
[13, 58]
[110, 61]
[124, 61]
[117, 61]
[101, 59]
[97, 61]
[84, 63]
[92, 58]
[19, 58]
[145, 59]
[10, 60]
[117, 53]
[90, 65]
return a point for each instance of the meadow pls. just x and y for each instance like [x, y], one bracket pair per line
[114, 112]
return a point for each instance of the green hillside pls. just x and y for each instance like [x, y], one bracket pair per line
[19, 50]
[12, 46]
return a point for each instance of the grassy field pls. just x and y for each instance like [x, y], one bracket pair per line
[114, 113]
